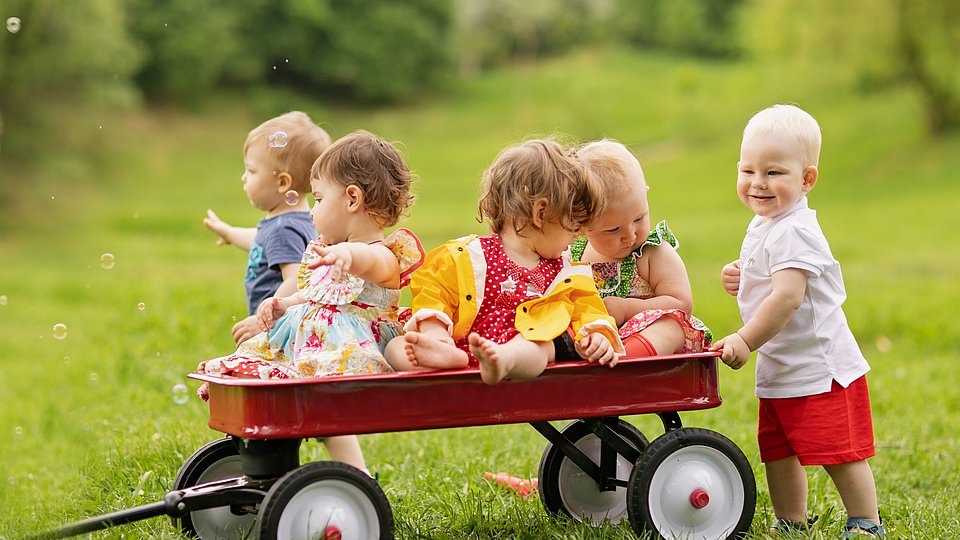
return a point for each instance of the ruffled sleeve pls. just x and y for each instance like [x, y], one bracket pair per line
[406, 246]
[658, 235]
[319, 285]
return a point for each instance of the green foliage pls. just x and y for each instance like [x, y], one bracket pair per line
[190, 46]
[68, 63]
[699, 27]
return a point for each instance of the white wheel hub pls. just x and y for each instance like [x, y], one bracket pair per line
[220, 522]
[696, 493]
[329, 509]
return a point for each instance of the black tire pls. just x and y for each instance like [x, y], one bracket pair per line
[309, 500]
[217, 460]
[693, 484]
[565, 489]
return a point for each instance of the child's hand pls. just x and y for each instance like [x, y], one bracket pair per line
[730, 277]
[221, 228]
[337, 255]
[736, 352]
[596, 348]
[270, 310]
[245, 329]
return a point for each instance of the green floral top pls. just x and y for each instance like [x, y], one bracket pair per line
[620, 278]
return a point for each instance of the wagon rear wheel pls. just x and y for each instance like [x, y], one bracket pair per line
[692, 484]
[566, 488]
[326, 500]
[217, 460]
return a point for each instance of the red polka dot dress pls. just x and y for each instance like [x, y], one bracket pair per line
[507, 285]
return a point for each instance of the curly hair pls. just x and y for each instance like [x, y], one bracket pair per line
[376, 167]
[533, 170]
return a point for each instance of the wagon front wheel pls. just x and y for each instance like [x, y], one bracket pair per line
[566, 488]
[693, 484]
[217, 460]
[326, 500]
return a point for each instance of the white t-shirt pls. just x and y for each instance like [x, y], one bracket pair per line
[816, 347]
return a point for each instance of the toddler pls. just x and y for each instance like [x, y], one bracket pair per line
[506, 301]
[345, 309]
[277, 157]
[814, 403]
[638, 272]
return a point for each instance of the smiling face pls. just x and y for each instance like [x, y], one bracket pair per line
[772, 175]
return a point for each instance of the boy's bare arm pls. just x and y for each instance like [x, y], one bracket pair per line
[789, 287]
[242, 237]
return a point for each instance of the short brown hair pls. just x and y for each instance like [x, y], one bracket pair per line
[376, 167]
[529, 171]
[295, 142]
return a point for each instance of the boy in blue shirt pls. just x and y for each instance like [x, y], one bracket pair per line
[277, 157]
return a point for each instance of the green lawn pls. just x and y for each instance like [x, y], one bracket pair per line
[88, 424]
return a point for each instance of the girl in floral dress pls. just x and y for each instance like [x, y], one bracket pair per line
[637, 270]
[345, 310]
[510, 302]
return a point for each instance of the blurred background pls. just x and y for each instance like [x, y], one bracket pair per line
[123, 121]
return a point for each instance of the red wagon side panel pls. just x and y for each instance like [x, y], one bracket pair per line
[327, 406]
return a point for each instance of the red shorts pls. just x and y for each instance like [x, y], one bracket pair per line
[823, 429]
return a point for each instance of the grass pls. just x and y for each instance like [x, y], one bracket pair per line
[88, 424]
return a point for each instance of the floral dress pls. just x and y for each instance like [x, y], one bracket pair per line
[341, 329]
[620, 279]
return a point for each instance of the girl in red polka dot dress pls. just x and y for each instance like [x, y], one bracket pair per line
[512, 302]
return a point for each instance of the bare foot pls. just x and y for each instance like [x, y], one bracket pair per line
[426, 352]
[493, 367]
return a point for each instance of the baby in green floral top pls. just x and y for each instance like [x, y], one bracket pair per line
[640, 276]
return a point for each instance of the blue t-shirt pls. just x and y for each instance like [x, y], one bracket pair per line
[280, 240]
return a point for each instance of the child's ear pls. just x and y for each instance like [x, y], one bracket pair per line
[284, 182]
[355, 197]
[540, 212]
[810, 176]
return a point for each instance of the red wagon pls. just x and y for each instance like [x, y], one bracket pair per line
[687, 483]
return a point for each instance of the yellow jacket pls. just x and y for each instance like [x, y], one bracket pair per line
[450, 287]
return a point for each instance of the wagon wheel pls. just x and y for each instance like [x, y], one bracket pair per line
[327, 500]
[217, 460]
[692, 483]
[566, 488]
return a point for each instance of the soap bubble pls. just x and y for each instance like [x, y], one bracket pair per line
[278, 139]
[141, 306]
[13, 24]
[107, 261]
[291, 197]
[3, 299]
[18, 431]
[181, 394]
[66, 359]
[94, 377]
[884, 344]
[59, 331]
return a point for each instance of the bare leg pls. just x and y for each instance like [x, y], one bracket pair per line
[346, 449]
[665, 335]
[787, 481]
[857, 489]
[427, 352]
[517, 358]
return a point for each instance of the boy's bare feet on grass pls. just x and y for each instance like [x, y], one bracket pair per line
[494, 366]
[426, 352]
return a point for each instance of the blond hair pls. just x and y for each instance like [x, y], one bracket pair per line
[793, 122]
[533, 170]
[376, 167]
[293, 142]
[615, 168]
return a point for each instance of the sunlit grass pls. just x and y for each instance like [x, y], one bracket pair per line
[85, 436]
